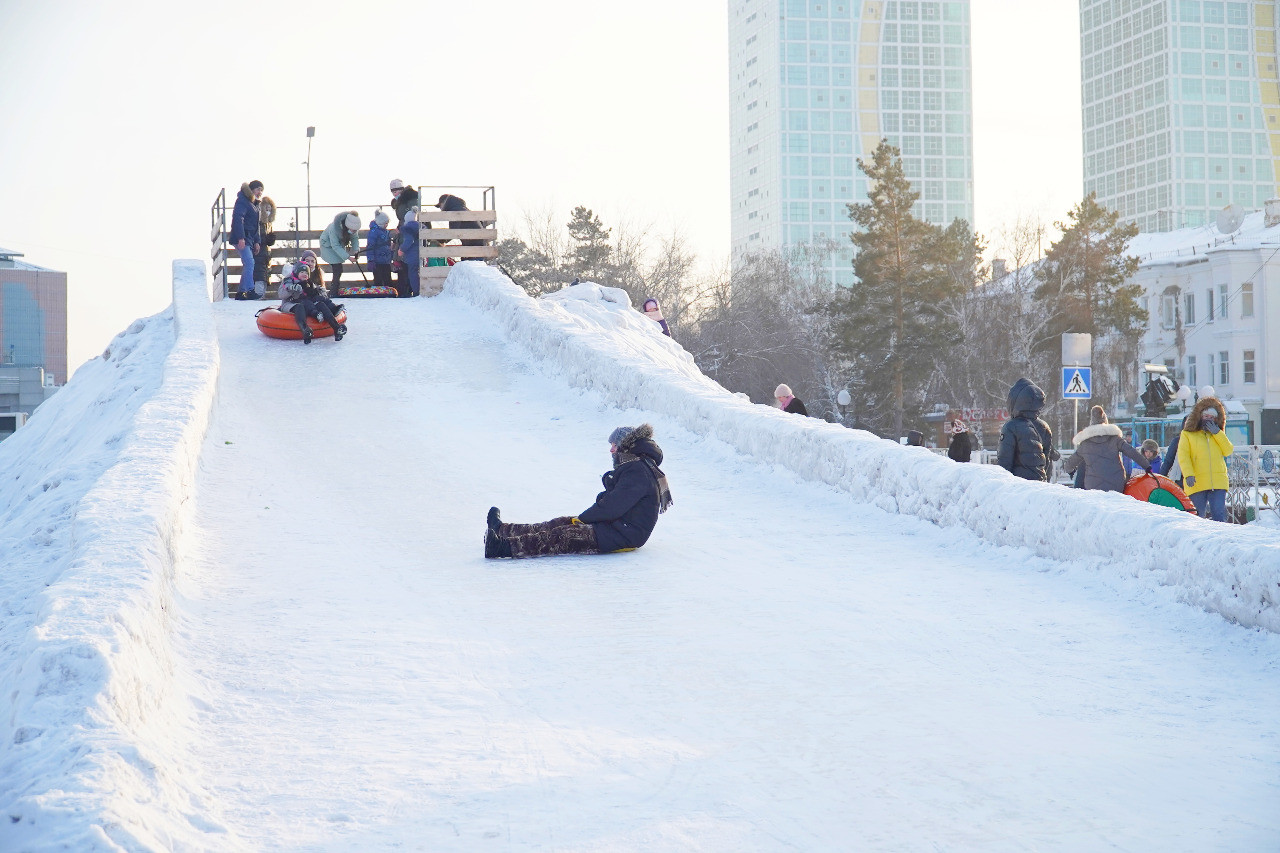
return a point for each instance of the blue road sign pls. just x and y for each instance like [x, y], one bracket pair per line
[1077, 383]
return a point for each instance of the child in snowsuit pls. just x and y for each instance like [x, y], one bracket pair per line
[377, 249]
[304, 296]
[621, 519]
[409, 283]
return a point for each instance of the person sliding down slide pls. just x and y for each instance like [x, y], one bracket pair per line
[622, 518]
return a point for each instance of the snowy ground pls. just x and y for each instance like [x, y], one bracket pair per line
[783, 667]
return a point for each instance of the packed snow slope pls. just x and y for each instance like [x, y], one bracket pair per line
[307, 651]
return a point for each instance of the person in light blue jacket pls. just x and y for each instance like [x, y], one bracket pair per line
[340, 243]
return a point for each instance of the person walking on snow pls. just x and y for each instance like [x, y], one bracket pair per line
[1098, 448]
[340, 243]
[246, 236]
[1203, 449]
[1026, 442]
[622, 518]
[789, 402]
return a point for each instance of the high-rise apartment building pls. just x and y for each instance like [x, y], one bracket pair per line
[1181, 107]
[815, 85]
[33, 321]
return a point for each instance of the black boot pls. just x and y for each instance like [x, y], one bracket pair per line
[495, 547]
[494, 519]
[306, 334]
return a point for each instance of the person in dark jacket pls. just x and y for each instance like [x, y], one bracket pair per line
[403, 198]
[622, 518]
[789, 402]
[408, 282]
[1171, 453]
[246, 236]
[1026, 442]
[378, 252]
[960, 447]
[448, 202]
[1098, 448]
[266, 239]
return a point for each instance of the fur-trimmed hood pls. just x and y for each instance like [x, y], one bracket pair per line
[247, 193]
[642, 433]
[267, 211]
[1193, 422]
[1097, 431]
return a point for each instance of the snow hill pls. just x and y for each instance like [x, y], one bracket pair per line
[165, 551]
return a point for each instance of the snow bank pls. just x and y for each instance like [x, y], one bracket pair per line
[92, 501]
[594, 340]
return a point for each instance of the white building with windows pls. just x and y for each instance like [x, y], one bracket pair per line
[1181, 107]
[815, 85]
[1214, 307]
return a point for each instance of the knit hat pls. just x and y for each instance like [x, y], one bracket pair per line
[1150, 444]
[308, 257]
[255, 185]
[352, 222]
[396, 184]
[619, 434]
[1097, 415]
[381, 218]
[781, 391]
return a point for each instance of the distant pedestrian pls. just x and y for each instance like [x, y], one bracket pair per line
[1026, 442]
[340, 242]
[1203, 449]
[789, 402]
[1098, 449]
[654, 313]
[246, 236]
[622, 518]
[960, 447]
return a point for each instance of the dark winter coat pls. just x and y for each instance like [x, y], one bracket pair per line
[246, 223]
[377, 244]
[1098, 449]
[626, 512]
[452, 202]
[400, 204]
[961, 447]
[796, 407]
[1170, 455]
[409, 243]
[1026, 442]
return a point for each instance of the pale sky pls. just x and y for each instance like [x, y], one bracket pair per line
[121, 121]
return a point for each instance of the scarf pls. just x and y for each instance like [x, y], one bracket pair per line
[664, 491]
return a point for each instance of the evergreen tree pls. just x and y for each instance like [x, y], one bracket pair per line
[891, 323]
[591, 255]
[1085, 273]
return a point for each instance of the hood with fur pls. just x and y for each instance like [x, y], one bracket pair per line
[247, 193]
[1097, 431]
[1193, 421]
[267, 210]
[640, 443]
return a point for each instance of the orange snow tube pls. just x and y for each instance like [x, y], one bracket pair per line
[274, 324]
[1159, 490]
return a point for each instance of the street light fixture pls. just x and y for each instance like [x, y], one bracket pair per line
[311, 132]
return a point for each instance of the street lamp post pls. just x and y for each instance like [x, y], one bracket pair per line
[311, 132]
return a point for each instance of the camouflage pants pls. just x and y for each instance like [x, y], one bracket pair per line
[547, 539]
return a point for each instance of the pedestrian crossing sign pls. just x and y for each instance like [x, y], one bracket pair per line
[1077, 383]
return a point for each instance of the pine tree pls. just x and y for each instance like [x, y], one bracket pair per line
[591, 254]
[890, 323]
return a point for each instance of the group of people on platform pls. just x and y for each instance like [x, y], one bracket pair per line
[387, 250]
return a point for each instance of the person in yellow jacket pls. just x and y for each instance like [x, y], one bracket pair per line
[1202, 454]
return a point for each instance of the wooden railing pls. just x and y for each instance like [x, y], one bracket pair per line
[438, 227]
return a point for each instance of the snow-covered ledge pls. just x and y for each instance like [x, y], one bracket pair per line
[1228, 569]
[100, 668]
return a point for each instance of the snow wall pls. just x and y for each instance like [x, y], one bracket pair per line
[105, 467]
[591, 337]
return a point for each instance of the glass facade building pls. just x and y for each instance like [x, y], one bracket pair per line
[33, 317]
[1181, 108]
[815, 85]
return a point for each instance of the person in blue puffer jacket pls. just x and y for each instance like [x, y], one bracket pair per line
[246, 236]
[377, 248]
[409, 283]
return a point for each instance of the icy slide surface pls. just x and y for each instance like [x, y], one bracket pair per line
[326, 663]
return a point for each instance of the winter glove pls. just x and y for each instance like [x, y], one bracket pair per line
[575, 520]
[1191, 482]
[1212, 428]
[1149, 471]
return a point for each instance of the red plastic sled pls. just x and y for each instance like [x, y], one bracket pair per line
[1159, 490]
[273, 324]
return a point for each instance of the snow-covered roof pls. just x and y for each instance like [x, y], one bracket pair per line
[9, 261]
[1166, 246]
